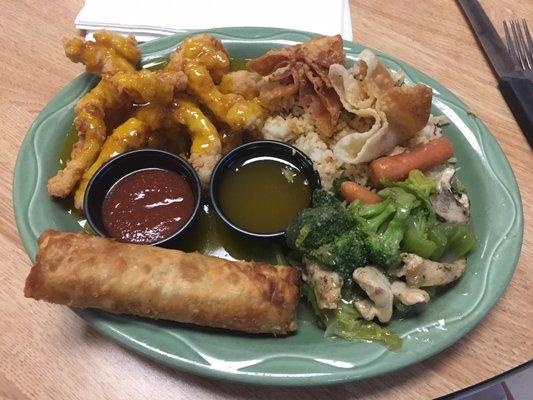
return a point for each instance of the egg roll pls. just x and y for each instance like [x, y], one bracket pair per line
[85, 271]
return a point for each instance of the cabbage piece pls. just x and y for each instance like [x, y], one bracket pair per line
[347, 323]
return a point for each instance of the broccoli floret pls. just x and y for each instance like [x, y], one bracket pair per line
[420, 186]
[314, 227]
[372, 216]
[300, 227]
[322, 198]
[384, 224]
[382, 252]
[345, 253]
[384, 245]
[416, 238]
[416, 183]
[345, 238]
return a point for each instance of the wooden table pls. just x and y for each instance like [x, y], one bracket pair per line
[47, 352]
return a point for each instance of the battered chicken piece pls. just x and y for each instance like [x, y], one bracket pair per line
[245, 83]
[237, 112]
[135, 133]
[131, 135]
[204, 135]
[125, 46]
[205, 146]
[103, 97]
[149, 86]
[420, 272]
[204, 60]
[108, 54]
[326, 284]
[112, 93]
[408, 295]
[205, 50]
[379, 291]
[152, 114]
[203, 163]
[89, 123]
[202, 49]
[92, 132]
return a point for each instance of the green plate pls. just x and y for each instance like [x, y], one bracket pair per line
[306, 358]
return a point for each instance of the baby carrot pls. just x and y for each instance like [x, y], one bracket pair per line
[352, 191]
[422, 157]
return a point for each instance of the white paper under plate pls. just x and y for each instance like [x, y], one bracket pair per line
[151, 19]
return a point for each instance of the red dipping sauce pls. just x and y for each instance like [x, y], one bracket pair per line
[147, 206]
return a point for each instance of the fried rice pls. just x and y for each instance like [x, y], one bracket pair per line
[297, 128]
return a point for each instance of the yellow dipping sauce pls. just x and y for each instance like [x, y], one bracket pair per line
[263, 194]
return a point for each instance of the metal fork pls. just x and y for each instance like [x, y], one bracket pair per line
[519, 43]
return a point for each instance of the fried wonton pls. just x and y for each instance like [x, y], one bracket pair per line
[299, 75]
[368, 90]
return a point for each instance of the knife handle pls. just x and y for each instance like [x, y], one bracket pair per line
[518, 93]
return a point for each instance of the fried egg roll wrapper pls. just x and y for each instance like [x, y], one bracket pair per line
[85, 271]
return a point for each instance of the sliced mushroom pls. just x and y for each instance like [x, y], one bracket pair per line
[326, 284]
[408, 295]
[449, 204]
[420, 272]
[377, 287]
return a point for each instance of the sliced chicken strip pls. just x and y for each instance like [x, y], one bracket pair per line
[377, 287]
[408, 295]
[366, 308]
[326, 284]
[420, 272]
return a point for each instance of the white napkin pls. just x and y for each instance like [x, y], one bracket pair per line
[151, 19]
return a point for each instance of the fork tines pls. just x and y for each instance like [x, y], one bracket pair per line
[519, 43]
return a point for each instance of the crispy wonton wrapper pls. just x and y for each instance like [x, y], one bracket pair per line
[369, 91]
[299, 74]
